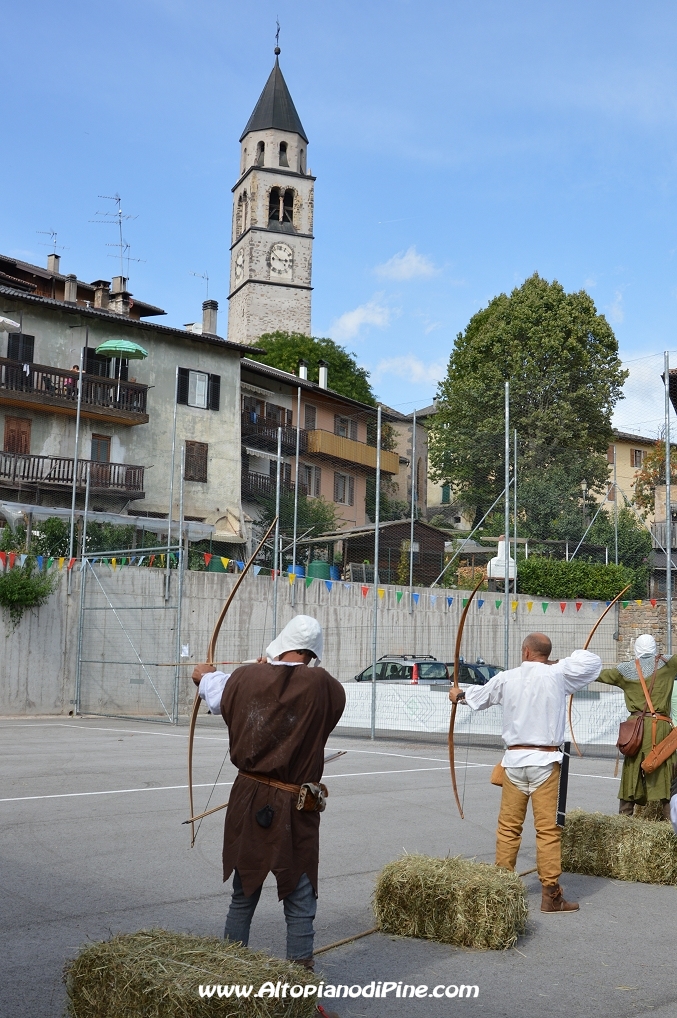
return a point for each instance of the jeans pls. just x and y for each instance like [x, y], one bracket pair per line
[299, 912]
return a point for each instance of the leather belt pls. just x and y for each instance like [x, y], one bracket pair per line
[541, 749]
[644, 713]
[294, 789]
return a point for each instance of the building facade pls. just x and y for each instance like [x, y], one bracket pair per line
[272, 229]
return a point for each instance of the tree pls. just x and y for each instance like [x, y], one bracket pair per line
[284, 350]
[652, 473]
[315, 517]
[561, 359]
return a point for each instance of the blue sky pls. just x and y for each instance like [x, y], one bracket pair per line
[458, 147]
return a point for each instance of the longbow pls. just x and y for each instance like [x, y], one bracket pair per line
[452, 720]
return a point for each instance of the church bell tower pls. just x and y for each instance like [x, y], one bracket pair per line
[272, 234]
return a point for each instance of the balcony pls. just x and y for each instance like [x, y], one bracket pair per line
[261, 432]
[256, 485]
[19, 470]
[107, 400]
[324, 443]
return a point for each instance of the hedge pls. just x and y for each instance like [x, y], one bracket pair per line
[561, 580]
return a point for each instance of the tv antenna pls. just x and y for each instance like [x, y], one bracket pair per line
[116, 219]
[202, 275]
[53, 244]
[125, 254]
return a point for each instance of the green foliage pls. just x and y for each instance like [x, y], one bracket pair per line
[653, 473]
[566, 581]
[561, 359]
[284, 350]
[50, 537]
[316, 516]
[389, 508]
[109, 537]
[22, 590]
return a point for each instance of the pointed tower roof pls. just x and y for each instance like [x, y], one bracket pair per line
[275, 107]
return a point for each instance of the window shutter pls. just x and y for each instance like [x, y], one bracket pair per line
[290, 418]
[286, 474]
[353, 430]
[13, 346]
[196, 461]
[337, 484]
[20, 347]
[632, 457]
[351, 491]
[318, 481]
[610, 454]
[182, 392]
[310, 417]
[214, 394]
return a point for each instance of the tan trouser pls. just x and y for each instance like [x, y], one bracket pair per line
[548, 835]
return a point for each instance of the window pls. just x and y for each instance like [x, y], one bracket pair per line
[286, 473]
[275, 414]
[281, 206]
[311, 478]
[20, 347]
[100, 449]
[344, 489]
[310, 418]
[198, 389]
[637, 458]
[253, 408]
[302, 161]
[283, 154]
[17, 435]
[96, 364]
[345, 427]
[196, 462]
[260, 153]
[446, 494]
[241, 216]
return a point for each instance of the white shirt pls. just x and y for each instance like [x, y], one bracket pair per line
[534, 704]
[212, 685]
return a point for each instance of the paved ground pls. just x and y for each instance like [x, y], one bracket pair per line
[91, 842]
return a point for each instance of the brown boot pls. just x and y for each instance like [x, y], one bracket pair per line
[308, 963]
[553, 900]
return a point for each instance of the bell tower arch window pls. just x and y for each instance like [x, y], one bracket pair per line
[260, 153]
[281, 206]
[283, 154]
[302, 160]
[242, 214]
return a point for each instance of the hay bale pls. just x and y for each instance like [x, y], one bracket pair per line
[652, 811]
[622, 847]
[455, 901]
[157, 974]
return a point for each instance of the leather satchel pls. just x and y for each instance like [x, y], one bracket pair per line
[497, 774]
[631, 732]
[660, 753]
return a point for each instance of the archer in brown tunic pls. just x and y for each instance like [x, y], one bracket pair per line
[279, 718]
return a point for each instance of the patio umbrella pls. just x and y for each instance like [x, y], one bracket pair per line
[124, 349]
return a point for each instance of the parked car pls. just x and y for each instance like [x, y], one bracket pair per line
[473, 674]
[412, 668]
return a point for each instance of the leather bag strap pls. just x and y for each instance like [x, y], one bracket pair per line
[647, 694]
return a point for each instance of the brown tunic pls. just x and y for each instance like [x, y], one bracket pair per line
[279, 718]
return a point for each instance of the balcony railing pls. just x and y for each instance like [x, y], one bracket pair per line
[20, 469]
[263, 485]
[262, 432]
[29, 383]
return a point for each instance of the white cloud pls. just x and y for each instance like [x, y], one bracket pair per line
[412, 369]
[407, 265]
[349, 324]
[615, 312]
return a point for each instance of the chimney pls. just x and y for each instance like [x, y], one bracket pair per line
[71, 289]
[53, 263]
[119, 284]
[323, 380]
[209, 312]
[101, 293]
[303, 369]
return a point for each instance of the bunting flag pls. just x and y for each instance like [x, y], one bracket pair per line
[514, 605]
[309, 580]
[465, 601]
[3, 559]
[607, 603]
[530, 605]
[224, 561]
[544, 606]
[292, 577]
[639, 602]
[562, 606]
[415, 598]
[22, 560]
[114, 563]
[104, 561]
[329, 584]
[347, 585]
[40, 561]
[433, 598]
[398, 595]
[595, 606]
[162, 560]
[50, 562]
[123, 561]
[381, 592]
[152, 559]
[132, 560]
[480, 602]
[257, 569]
[450, 601]
[653, 602]
[207, 557]
[625, 603]
[71, 563]
[498, 603]
[12, 559]
[141, 558]
[579, 605]
[240, 565]
[365, 591]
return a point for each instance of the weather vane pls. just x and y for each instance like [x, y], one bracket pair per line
[277, 37]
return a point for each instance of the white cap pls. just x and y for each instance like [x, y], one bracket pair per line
[302, 633]
[645, 646]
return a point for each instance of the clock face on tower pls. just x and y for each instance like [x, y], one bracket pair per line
[239, 266]
[281, 261]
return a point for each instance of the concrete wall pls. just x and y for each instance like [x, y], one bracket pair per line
[38, 666]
